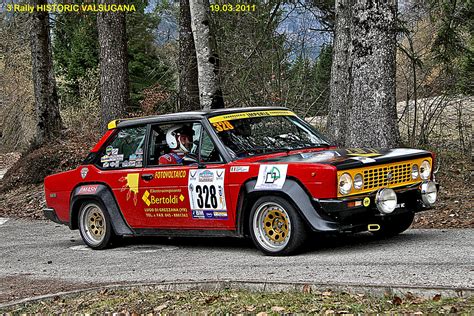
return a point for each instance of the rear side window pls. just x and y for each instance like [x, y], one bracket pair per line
[125, 150]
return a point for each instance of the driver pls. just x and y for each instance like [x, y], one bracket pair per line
[179, 140]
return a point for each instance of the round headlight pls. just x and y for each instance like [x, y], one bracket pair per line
[358, 181]
[414, 172]
[386, 201]
[429, 193]
[345, 183]
[425, 170]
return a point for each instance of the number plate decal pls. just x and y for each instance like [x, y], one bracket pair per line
[206, 193]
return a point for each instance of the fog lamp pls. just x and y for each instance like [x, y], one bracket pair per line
[386, 201]
[429, 193]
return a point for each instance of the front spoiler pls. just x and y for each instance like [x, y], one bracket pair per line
[351, 214]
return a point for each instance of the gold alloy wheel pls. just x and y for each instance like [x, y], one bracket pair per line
[272, 226]
[92, 224]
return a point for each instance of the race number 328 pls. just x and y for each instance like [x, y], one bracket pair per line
[206, 190]
[206, 196]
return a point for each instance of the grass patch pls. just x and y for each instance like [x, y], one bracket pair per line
[148, 300]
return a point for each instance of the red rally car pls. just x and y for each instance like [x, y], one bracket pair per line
[260, 172]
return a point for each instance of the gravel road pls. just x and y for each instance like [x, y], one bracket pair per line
[44, 251]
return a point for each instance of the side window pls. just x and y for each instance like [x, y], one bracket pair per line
[170, 144]
[209, 152]
[125, 150]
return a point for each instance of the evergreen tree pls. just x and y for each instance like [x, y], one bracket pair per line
[75, 45]
[76, 50]
[145, 65]
[322, 78]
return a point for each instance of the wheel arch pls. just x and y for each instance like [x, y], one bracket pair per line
[292, 191]
[102, 194]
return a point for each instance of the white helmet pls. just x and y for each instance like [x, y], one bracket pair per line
[172, 139]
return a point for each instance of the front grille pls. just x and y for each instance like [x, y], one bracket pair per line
[387, 175]
[375, 177]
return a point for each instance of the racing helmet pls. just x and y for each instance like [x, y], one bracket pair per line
[173, 140]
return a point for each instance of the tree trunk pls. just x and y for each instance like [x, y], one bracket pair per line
[187, 63]
[48, 118]
[340, 92]
[114, 83]
[210, 94]
[372, 114]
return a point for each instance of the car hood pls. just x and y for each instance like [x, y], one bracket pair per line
[352, 157]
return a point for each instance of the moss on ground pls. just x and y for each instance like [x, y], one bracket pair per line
[147, 300]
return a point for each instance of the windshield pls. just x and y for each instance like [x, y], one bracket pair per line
[259, 132]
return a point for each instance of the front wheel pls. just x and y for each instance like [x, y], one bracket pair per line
[95, 225]
[395, 225]
[276, 227]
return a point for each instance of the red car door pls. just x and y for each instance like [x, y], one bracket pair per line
[184, 195]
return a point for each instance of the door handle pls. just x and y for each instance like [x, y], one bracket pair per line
[147, 176]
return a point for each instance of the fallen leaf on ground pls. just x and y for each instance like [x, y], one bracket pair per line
[160, 308]
[397, 300]
[250, 308]
[278, 309]
[307, 288]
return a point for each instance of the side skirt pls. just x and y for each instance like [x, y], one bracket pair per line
[185, 233]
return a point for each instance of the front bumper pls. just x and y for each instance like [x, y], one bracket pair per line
[50, 214]
[354, 213]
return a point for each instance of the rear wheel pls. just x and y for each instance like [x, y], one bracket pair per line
[276, 227]
[95, 225]
[395, 225]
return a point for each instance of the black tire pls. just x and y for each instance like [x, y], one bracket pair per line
[276, 227]
[395, 225]
[95, 225]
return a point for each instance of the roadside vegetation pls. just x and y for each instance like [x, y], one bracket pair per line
[148, 301]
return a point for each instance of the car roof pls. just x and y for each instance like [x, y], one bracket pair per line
[194, 115]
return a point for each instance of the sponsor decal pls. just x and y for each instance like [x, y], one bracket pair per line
[271, 177]
[150, 199]
[88, 189]
[239, 169]
[198, 214]
[165, 203]
[170, 174]
[111, 158]
[108, 150]
[243, 115]
[366, 201]
[206, 194]
[206, 176]
[362, 152]
[364, 159]
[84, 172]
[131, 181]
